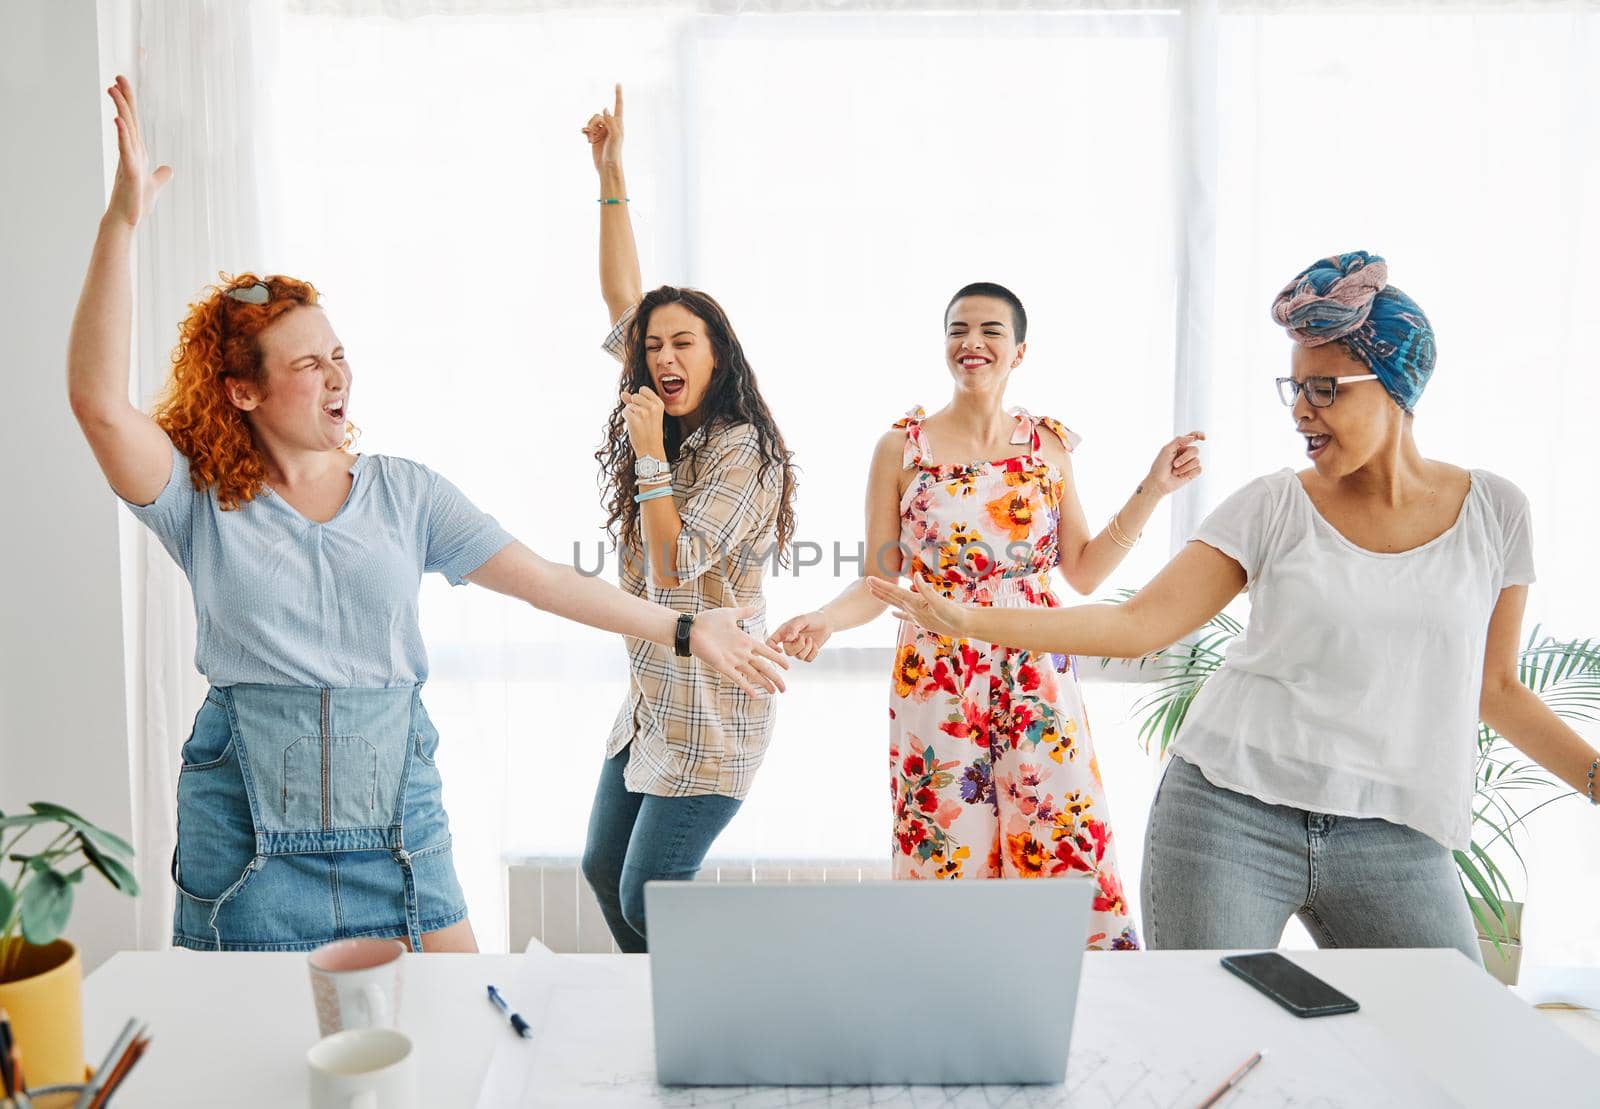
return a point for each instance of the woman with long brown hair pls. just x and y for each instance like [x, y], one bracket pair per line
[700, 495]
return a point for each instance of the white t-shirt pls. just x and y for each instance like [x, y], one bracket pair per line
[1354, 688]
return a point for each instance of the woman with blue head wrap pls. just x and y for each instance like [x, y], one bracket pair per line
[1347, 299]
[1350, 326]
[1325, 770]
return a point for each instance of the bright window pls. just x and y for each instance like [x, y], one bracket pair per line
[832, 178]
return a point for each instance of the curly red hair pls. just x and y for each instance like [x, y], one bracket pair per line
[216, 341]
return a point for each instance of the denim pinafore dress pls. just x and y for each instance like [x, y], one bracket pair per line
[309, 805]
[308, 815]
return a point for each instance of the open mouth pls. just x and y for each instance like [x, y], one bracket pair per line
[672, 386]
[335, 409]
[973, 362]
[1316, 443]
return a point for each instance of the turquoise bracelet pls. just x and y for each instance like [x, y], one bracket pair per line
[664, 491]
[613, 200]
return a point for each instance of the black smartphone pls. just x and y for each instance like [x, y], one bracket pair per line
[1292, 986]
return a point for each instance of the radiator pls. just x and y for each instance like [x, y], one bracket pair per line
[548, 900]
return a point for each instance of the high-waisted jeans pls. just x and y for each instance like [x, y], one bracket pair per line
[636, 838]
[1224, 870]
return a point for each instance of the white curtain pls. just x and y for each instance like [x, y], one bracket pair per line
[1145, 176]
[201, 83]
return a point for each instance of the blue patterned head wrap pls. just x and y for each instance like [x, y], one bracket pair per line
[1348, 299]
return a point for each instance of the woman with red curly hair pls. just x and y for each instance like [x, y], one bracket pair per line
[309, 802]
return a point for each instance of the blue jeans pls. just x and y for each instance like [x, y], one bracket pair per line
[1223, 870]
[636, 838]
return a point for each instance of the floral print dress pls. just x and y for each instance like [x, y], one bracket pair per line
[992, 771]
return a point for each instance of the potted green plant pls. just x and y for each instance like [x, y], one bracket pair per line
[1564, 673]
[41, 975]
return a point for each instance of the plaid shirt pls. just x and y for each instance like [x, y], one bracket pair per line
[616, 342]
[692, 730]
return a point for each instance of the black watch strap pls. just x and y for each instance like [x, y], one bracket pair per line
[680, 637]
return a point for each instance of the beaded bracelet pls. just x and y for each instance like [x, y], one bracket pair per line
[612, 200]
[664, 491]
[1589, 787]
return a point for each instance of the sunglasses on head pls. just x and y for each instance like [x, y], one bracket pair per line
[258, 293]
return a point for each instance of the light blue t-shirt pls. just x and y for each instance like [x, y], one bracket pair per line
[280, 600]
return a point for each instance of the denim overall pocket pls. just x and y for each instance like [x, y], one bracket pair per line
[212, 859]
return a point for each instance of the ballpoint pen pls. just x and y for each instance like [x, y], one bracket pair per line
[517, 1023]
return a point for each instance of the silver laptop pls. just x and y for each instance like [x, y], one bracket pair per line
[869, 983]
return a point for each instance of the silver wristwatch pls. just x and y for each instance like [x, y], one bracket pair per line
[648, 469]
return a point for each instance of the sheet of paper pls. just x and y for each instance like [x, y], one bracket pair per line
[592, 1046]
[1127, 1052]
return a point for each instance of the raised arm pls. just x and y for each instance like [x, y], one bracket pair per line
[804, 635]
[1087, 558]
[715, 639]
[620, 283]
[133, 452]
[1191, 589]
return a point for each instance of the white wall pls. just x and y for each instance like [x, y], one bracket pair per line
[63, 715]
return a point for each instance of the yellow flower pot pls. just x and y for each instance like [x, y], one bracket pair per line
[42, 993]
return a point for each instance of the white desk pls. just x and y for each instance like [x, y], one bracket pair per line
[233, 1029]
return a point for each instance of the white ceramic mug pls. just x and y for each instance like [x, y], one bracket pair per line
[356, 984]
[364, 1068]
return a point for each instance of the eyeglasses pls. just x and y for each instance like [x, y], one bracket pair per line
[1320, 391]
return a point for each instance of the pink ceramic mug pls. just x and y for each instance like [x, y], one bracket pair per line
[356, 984]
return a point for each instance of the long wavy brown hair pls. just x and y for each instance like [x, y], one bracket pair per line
[217, 340]
[732, 399]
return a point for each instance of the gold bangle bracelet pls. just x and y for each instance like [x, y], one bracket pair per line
[1118, 536]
